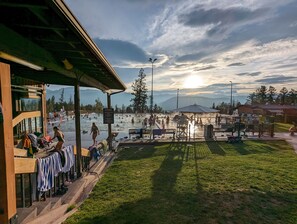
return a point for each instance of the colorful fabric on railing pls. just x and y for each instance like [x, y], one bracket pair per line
[48, 169]
[33, 139]
[69, 158]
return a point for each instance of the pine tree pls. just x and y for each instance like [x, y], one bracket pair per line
[140, 93]
[271, 93]
[261, 95]
[98, 106]
[283, 95]
[292, 97]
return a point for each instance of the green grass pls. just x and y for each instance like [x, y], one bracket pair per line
[209, 182]
[282, 127]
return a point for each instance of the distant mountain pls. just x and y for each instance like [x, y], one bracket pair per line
[166, 101]
[184, 101]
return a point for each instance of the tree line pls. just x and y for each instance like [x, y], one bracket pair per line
[264, 95]
[139, 102]
[52, 105]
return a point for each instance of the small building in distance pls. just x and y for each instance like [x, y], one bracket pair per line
[281, 113]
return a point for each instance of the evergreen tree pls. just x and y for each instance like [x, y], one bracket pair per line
[61, 99]
[271, 93]
[282, 95]
[139, 92]
[70, 104]
[251, 99]
[51, 104]
[116, 109]
[292, 97]
[261, 95]
[129, 109]
[98, 106]
[123, 108]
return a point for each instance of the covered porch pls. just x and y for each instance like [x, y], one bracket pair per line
[42, 43]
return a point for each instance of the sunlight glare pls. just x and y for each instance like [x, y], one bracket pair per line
[193, 81]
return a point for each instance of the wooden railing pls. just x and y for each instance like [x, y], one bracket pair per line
[25, 165]
[20, 152]
[27, 168]
[29, 165]
[25, 115]
[84, 152]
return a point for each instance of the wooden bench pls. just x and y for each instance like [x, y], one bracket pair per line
[159, 132]
[139, 132]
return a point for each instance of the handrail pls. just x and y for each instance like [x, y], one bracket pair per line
[25, 165]
[29, 165]
[20, 152]
[25, 115]
[84, 152]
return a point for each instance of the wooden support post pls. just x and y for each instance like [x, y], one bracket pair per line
[77, 128]
[109, 125]
[43, 111]
[7, 175]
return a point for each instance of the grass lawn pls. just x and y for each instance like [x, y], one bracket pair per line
[207, 182]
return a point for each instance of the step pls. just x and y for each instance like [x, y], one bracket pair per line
[74, 191]
[43, 206]
[26, 214]
[55, 202]
[51, 216]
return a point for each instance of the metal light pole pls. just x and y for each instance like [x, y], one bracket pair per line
[177, 98]
[231, 101]
[152, 91]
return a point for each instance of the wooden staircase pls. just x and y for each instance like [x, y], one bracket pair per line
[54, 209]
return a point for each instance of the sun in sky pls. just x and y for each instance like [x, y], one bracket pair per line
[193, 81]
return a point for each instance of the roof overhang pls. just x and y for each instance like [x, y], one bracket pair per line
[46, 34]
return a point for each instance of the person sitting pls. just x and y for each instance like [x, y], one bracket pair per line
[293, 129]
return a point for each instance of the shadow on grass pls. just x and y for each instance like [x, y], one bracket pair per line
[168, 205]
[136, 152]
[215, 148]
[241, 148]
[255, 147]
[228, 207]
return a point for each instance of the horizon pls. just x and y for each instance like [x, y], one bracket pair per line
[201, 47]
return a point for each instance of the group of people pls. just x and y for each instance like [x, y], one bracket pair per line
[59, 135]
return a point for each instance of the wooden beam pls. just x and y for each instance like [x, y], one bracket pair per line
[109, 124]
[42, 27]
[7, 174]
[84, 152]
[25, 115]
[43, 112]
[16, 5]
[57, 41]
[25, 165]
[20, 152]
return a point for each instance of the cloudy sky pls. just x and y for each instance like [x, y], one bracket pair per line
[200, 45]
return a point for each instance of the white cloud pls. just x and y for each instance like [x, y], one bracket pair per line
[156, 28]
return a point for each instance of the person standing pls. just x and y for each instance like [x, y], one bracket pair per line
[94, 131]
[60, 136]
